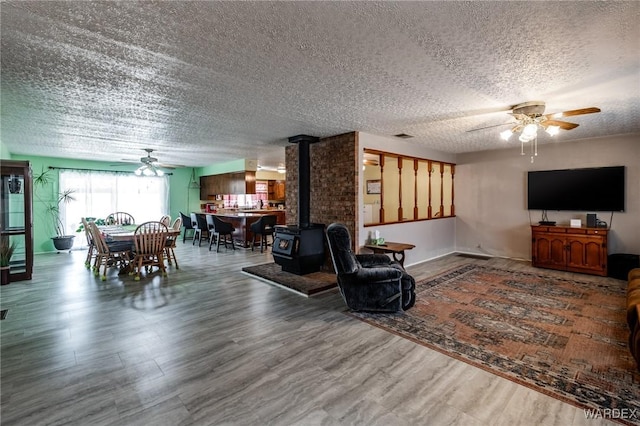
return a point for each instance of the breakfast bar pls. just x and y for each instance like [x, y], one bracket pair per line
[242, 220]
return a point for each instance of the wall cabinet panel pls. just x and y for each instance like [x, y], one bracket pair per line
[227, 183]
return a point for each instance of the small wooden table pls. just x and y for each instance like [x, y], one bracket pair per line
[396, 249]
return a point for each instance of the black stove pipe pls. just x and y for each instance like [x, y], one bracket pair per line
[304, 178]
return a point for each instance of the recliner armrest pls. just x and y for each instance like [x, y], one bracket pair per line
[367, 260]
[379, 273]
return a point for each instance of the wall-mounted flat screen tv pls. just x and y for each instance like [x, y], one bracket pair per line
[590, 189]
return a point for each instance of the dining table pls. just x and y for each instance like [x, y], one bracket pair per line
[126, 232]
[123, 233]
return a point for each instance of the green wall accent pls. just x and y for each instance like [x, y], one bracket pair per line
[4, 152]
[216, 169]
[182, 198]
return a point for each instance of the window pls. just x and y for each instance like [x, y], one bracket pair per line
[99, 193]
[407, 188]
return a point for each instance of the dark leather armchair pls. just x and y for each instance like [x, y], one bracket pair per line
[369, 282]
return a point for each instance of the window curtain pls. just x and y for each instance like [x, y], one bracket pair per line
[99, 193]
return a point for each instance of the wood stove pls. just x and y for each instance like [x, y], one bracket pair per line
[299, 249]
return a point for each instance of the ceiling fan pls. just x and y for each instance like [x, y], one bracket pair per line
[151, 166]
[530, 117]
[532, 112]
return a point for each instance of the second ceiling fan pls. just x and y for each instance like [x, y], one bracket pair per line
[150, 165]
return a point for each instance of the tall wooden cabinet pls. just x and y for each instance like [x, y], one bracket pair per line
[16, 216]
[570, 249]
[276, 190]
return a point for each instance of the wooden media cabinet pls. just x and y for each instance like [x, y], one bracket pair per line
[570, 248]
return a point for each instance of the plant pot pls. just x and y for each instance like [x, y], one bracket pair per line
[64, 242]
[5, 278]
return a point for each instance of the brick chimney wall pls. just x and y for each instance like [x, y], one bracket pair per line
[334, 184]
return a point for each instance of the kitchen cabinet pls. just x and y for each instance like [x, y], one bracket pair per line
[570, 249]
[227, 183]
[16, 216]
[279, 190]
[276, 190]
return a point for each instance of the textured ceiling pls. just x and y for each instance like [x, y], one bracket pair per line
[208, 82]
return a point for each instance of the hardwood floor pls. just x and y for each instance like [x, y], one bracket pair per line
[209, 345]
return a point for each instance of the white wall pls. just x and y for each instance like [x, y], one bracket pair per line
[491, 195]
[432, 238]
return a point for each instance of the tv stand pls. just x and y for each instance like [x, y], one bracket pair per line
[572, 249]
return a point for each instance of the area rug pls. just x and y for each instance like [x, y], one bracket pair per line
[564, 338]
[306, 285]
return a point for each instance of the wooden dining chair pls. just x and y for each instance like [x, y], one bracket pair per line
[149, 240]
[120, 218]
[91, 248]
[165, 220]
[170, 244]
[116, 254]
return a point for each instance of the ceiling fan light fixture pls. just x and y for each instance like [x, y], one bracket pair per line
[524, 138]
[530, 130]
[148, 170]
[506, 134]
[553, 130]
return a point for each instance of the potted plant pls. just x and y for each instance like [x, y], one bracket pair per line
[6, 251]
[61, 241]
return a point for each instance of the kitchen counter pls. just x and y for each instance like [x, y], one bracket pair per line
[241, 220]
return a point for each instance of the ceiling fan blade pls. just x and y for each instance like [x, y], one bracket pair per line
[489, 127]
[168, 166]
[573, 112]
[565, 125]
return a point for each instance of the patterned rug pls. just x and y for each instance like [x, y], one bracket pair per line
[564, 338]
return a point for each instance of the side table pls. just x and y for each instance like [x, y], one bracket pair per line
[396, 249]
